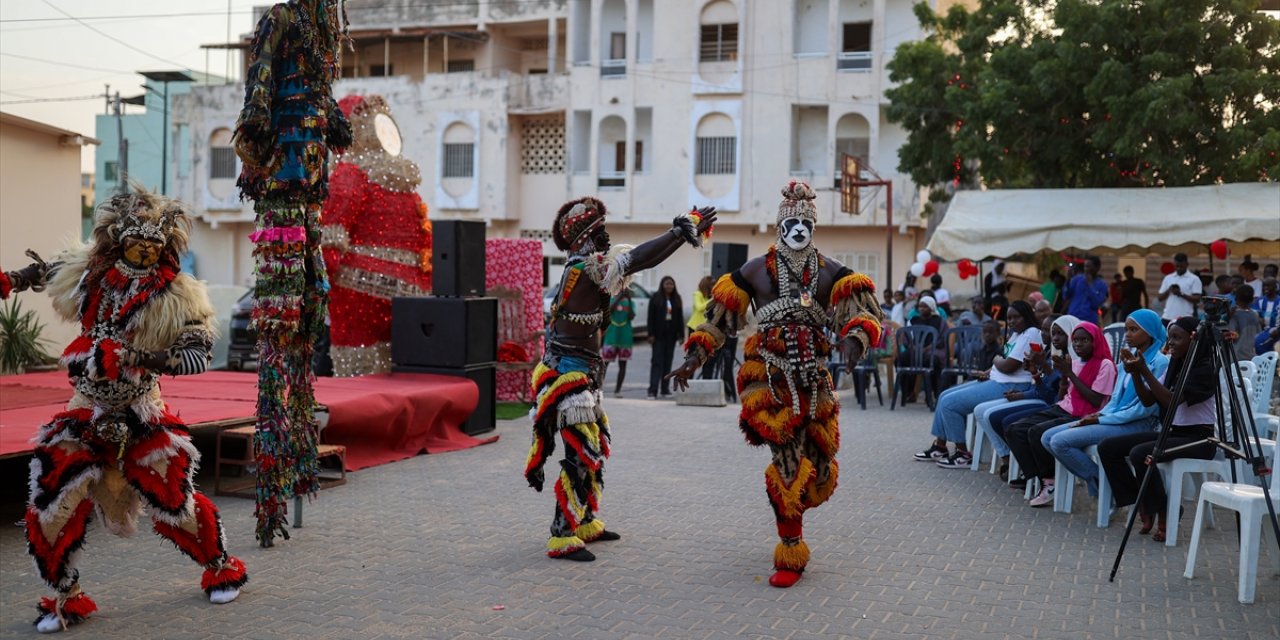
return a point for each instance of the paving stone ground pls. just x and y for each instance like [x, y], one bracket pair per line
[451, 546]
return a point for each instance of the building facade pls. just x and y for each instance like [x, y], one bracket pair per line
[653, 106]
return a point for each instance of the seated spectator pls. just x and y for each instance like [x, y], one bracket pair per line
[993, 415]
[1087, 293]
[1245, 323]
[925, 314]
[1007, 374]
[887, 306]
[1268, 308]
[940, 295]
[1124, 414]
[1089, 378]
[991, 346]
[1271, 271]
[1247, 271]
[1043, 310]
[937, 309]
[1223, 285]
[975, 315]
[1193, 421]
[898, 314]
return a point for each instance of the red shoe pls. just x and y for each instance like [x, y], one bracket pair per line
[784, 578]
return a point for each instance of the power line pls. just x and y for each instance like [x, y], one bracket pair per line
[61, 64]
[66, 99]
[111, 37]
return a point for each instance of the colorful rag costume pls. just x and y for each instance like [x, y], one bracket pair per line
[286, 129]
[117, 446]
[566, 383]
[376, 238]
[787, 398]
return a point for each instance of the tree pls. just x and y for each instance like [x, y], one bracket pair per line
[1082, 93]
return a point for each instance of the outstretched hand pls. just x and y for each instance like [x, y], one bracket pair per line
[852, 355]
[680, 377]
[708, 215]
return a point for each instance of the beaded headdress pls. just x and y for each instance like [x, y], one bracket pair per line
[577, 219]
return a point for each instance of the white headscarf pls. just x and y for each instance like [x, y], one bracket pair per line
[1068, 325]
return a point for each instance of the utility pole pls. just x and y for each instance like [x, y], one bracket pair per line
[122, 151]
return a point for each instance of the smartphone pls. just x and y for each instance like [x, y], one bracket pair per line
[1037, 347]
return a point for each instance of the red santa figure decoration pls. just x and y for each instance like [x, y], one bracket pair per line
[376, 238]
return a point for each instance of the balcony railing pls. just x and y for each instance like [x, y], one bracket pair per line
[611, 179]
[613, 68]
[853, 61]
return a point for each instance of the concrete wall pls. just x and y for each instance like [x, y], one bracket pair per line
[39, 209]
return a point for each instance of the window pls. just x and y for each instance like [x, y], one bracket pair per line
[719, 43]
[222, 163]
[458, 160]
[620, 155]
[461, 66]
[717, 155]
[855, 48]
[617, 46]
[109, 171]
[86, 180]
[380, 71]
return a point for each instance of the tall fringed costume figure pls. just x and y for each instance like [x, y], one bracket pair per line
[117, 447]
[288, 125]
[787, 398]
[376, 238]
[566, 382]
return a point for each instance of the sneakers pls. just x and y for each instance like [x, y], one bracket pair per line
[1044, 498]
[957, 460]
[932, 454]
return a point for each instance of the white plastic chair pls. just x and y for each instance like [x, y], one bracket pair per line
[1255, 527]
[1263, 378]
[1064, 488]
[1174, 473]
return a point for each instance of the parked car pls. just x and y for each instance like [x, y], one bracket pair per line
[242, 347]
[638, 295]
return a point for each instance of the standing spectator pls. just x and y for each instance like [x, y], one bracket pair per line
[994, 284]
[898, 314]
[1268, 308]
[1052, 287]
[1180, 291]
[1086, 293]
[1116, 291]
[886, 307]
[1222, 283]
[1271, 271]
[698, 316]
[1248, 270]
[940, 295]
[618, 336]
[1133, 294]
[666, 330]
[1059, 302]
[976, 315]
[1245, 323]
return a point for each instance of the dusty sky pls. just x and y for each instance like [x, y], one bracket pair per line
[46, 55]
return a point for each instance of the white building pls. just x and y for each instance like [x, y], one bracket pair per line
[511, 108]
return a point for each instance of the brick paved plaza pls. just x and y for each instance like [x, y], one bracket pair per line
[451, 546]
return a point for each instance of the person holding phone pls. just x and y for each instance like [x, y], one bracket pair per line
[1180, 291]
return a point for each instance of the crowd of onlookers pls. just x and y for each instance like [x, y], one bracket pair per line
[1048, 385]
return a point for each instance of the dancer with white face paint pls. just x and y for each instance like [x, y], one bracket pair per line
[787, 396]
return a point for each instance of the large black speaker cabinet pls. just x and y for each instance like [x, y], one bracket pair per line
[484, 375]
[443, 332]
[727, 257]
[457, 258]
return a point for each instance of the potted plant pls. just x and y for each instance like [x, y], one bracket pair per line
[21, 347]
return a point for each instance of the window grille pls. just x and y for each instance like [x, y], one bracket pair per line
[719, 43]
[222, 163]
[717, 155]
[458, 160]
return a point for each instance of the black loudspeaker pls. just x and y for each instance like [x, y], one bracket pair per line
[444, 332]
[726, 257]
[457, 258]
[484, 375]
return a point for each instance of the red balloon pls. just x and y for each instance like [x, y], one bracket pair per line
[964, 266]
[930, 267]
[1166, 268]
[1219, 249]
[964, 274]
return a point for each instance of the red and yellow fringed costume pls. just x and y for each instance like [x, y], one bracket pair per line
[786, 392]
[117, 447]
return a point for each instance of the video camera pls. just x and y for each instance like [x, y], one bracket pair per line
[1216, 309]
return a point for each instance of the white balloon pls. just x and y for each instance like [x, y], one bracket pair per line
[917, 269]
[923, 257]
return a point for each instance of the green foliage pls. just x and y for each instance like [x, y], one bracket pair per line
[1080, 93]
[20, 343]
[512, 410]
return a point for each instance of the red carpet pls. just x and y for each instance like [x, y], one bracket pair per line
[380, 419]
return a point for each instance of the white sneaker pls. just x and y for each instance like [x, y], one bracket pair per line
[48, 623]
[1044, 498]
[223, 596]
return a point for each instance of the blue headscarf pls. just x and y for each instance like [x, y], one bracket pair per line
[1153, 326]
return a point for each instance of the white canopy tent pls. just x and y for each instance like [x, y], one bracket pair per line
[1001, 223]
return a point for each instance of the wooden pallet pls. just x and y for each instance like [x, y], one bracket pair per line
[244, 485]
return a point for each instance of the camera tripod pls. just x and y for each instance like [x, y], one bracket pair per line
[1241, 443]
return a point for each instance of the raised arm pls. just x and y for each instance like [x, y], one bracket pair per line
[688, 228]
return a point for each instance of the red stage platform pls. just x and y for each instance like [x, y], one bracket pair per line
[380, 418]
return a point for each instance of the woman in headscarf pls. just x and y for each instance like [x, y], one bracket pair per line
[1089, 378]
[1007, 374]
[1124, 414]
[1193, 421]
[927, 314]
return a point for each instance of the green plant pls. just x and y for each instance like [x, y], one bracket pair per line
[20, 343]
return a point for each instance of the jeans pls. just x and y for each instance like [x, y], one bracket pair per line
[983, 413]
[1023, 437]
[1067, 443]
[957, 402]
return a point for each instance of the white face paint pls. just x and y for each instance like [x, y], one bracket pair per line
[797, 233]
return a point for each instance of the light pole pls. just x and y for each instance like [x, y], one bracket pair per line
[165, 77]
